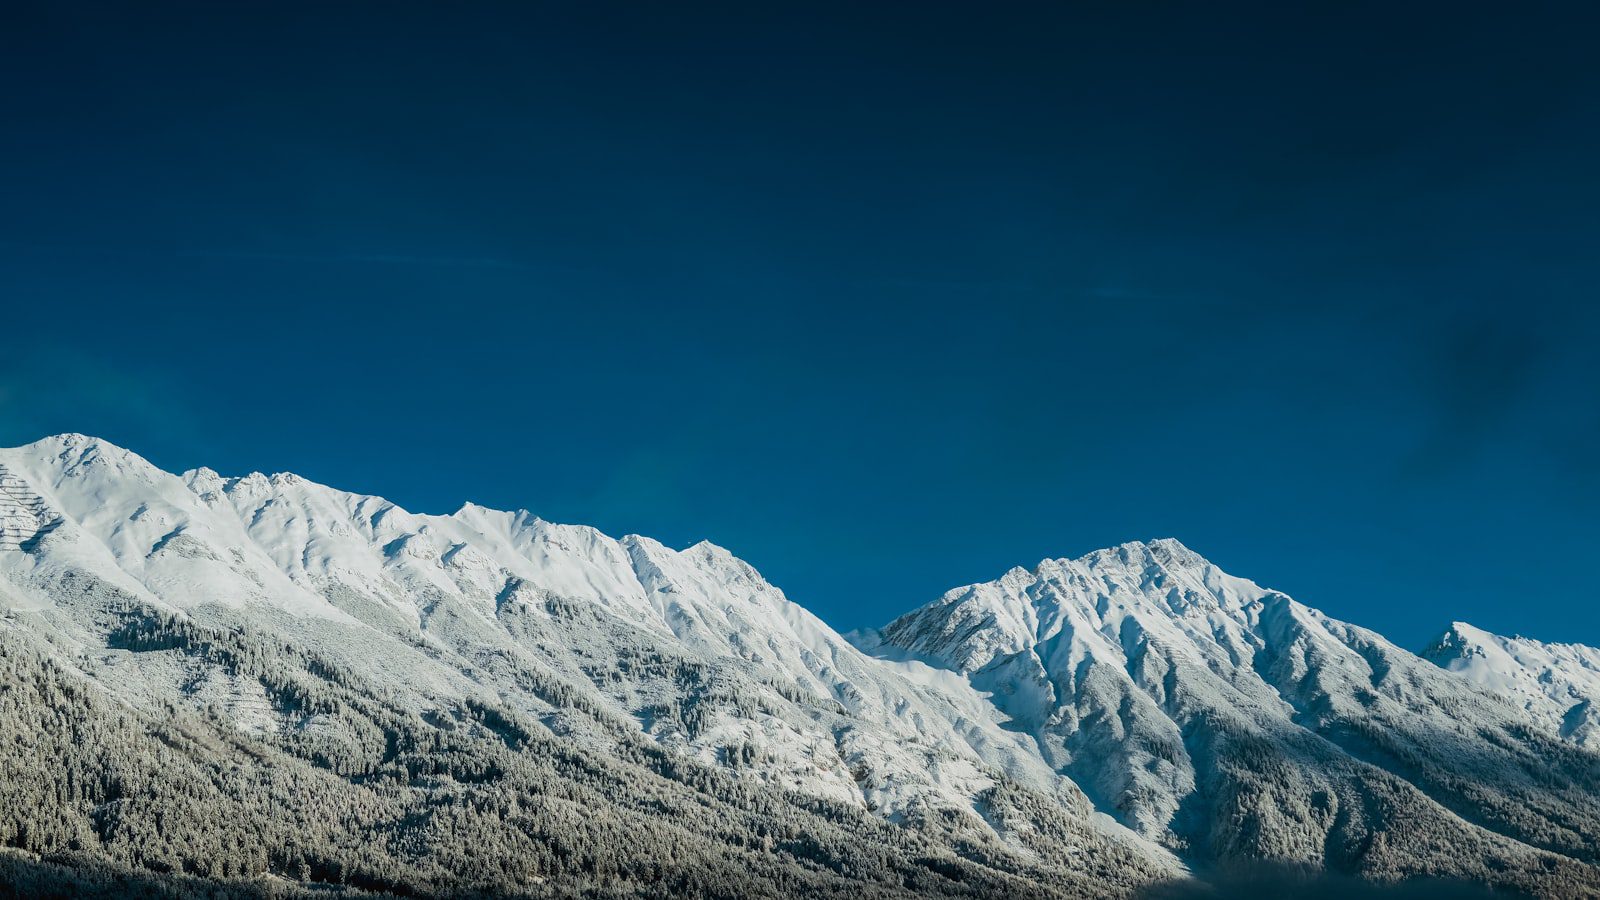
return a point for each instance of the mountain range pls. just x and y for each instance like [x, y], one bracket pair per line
[262, 686]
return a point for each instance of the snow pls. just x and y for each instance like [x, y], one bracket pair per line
[1559, 684]
[1085, 679]
[1110, 661]
[287, 553]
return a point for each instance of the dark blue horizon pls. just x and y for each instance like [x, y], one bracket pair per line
[884, 303]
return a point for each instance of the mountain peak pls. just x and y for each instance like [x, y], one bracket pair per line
[71, 440]
[75, 454]
[1558, 683]
[1169, 551]
[708, 549]
[971, 627]
[1462, 632]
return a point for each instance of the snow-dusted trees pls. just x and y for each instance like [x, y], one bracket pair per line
[471, 797]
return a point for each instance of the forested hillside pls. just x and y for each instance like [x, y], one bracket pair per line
[480, 800]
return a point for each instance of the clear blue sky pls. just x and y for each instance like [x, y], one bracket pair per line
[885, 301]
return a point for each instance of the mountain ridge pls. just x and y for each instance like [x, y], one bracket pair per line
[1137, 705]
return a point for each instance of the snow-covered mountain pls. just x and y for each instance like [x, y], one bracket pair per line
[1082, 727]
[600, 639]
[334, 567]
[1559, 684]
[1228, 721]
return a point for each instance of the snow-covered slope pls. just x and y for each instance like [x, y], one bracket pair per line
[1111, 714]
[1559, 684]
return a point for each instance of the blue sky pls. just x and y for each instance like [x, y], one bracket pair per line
[884, 301]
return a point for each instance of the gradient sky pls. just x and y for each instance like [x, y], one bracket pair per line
[884, 299]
